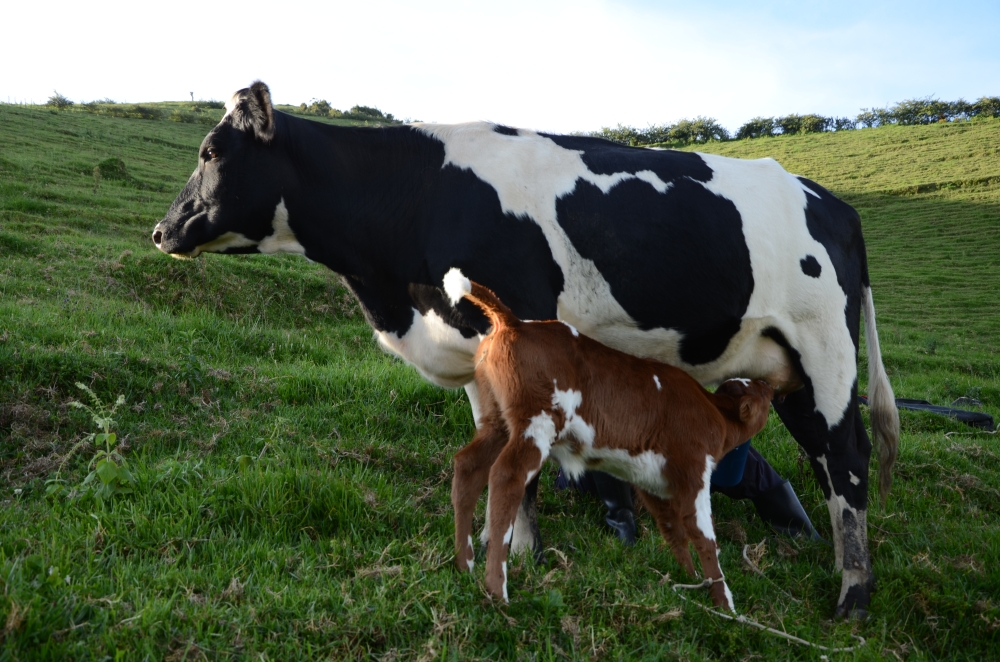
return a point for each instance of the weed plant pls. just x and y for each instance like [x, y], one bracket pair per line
[291, 482]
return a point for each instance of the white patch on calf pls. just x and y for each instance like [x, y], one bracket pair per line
[504, 567]
[703, 502]
[729, 597]
[572, 329]
[643, 469]
[510, 534]
[542, 431]
[281, 239]
[741, 380]
[657, 380]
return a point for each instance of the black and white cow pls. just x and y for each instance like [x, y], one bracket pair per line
[723, 267]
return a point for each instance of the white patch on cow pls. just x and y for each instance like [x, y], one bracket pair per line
[837, 504]
[456, 285]
[531, 474]
[703, 502]
[231, 104]
[472, 392]
[509, 535]
[281, 239]
[436, 349]
[504, 568]
[531, 173]
[470, 562]
[808, 311]
[741, 380]
[223, 242]
[657, 380]
[854, 479]
[572, 329]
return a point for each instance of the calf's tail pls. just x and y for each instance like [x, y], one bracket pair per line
[881, 401]
[457, 286]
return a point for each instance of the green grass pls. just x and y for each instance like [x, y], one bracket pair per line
[292, 495]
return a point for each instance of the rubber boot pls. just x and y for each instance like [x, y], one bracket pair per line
[617, 496]
[780, 508]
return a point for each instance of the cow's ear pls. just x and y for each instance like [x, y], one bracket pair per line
[252, 111]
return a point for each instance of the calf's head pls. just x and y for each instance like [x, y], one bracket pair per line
[233, 201]
[746, 403]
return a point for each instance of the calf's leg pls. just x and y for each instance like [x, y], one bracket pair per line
[695, 505]
[517, 464]
[671, 527]
[472, 471]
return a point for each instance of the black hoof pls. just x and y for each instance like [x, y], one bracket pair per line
[622, 521]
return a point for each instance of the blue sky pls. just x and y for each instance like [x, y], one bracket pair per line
[559, 65]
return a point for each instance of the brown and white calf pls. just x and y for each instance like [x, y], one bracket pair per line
[545, 390]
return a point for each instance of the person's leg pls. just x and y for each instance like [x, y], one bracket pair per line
[771, 495]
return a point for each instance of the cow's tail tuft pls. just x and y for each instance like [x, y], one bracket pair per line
[881, 401]
[457, 286]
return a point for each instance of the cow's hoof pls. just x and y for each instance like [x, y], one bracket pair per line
[855, 604]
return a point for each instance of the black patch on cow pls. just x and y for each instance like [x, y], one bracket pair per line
[603, 157]
[396, 255]
[674, 260]
[811, 266]
[505, 130]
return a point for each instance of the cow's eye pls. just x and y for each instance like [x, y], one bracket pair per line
[211, 153]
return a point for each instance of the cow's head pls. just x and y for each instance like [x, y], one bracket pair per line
[233, 201]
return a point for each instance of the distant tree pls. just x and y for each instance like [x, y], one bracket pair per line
[986, 107]
[758, 127]
[815, 123]
[59, 101]
[789, 124]
[699, 130]
[843, 124]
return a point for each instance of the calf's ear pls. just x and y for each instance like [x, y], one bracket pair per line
[751, 409]
[252, 111]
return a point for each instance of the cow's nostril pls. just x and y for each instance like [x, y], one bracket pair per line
[157, 236]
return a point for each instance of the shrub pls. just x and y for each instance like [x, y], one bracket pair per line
[758, 127]
[112, 168]
[58, 101]
[986, 107]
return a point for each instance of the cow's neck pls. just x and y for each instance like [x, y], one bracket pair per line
[357, 194]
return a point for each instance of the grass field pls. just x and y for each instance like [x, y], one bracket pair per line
[291, 482]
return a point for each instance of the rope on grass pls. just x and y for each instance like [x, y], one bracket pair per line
[739, 618]
[753, 566]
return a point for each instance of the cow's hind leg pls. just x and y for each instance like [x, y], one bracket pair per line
[839, 456]
[472, 471]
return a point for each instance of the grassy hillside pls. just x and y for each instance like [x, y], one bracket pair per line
[291, 494]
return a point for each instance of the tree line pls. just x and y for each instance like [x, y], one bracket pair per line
[705, 129]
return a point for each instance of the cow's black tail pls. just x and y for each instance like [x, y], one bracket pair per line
[456, 286]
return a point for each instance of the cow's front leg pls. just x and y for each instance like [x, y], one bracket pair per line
[527, 535]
